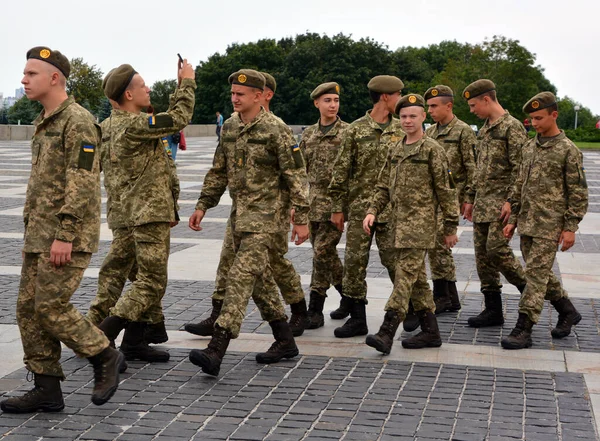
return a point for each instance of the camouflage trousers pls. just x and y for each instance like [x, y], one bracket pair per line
[410, 283]
[493, 255]
[441, 261]
[539, 255]
[356, 259]
[46, 317]
[327, 269]
[284, 274]
[246, 279]
[118, 266]
[151, 243]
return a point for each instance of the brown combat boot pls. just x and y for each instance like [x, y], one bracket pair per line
[429, 337]
[357, 323]
[568, 317]
[156, 333]
[520, 336]
[206, 327]
[441, 296]
[345, 307]
[210, 359]
[384, 339]
[112, 326]
[298, 319]
[134, 346]
[284, 345]
[106, 374]
[46, 396]
[492, 315]
[315, 317]
[411, 321]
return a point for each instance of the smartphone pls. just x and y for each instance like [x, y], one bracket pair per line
[180, 59]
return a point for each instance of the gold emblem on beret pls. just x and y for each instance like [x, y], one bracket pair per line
[535, 104]
[242, 78]
[467, 94]
[412, 99]
[44, 53]
[337, 88]
[434, 92]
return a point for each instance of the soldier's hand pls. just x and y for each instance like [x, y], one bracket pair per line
[195, 220]
[60, 253]
[173, 224]
[185, 70]
[509, 230]
[299, 234]
[368, 222]
[337, 219]
[505, 213]
[467, 212]
[567, 239]
[450, 241]
[292, 216]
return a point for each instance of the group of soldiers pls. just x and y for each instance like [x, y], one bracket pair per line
[382, 175]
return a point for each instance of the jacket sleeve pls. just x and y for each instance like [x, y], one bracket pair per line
[467, 150]
[293, 172]
[381, 196]
[577, 190]
[215, 181]
[517, 138]
[338, 187]
[443, 185]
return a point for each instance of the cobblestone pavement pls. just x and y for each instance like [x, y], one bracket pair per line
[418, 395]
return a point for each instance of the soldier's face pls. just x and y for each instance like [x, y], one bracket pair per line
[438, 109]
[245, 98]
[479, 107]
[412, 118]
[543, 121]
[328, 105]
[138, 92]
[37, 79]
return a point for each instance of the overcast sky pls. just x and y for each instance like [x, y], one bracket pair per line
[565, 36]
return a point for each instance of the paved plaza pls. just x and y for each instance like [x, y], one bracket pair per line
[468, 390]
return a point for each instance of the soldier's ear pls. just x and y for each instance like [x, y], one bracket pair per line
[316, 103]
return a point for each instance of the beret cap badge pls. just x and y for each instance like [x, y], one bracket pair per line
[412, 99]
[467, 94]
[44, 53]
[242, 78]
[535, 104]
[434, 92]
[337, 88]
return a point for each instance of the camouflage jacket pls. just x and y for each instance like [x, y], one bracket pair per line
[63, 193]
[139, 177]
[458, 140]
[360, 159]
[257, 161]
[498, 158]
[412, 184]
[551, 192]
[319, 151]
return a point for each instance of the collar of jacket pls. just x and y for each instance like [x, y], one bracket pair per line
[390, 128]
[41, 120]
[334, 129]
[448, 127]
[413, 149]
[487, 124]
[552, 142]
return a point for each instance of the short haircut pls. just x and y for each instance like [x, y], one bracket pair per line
[375, 96]
[552, 108]
[447, 99]
[491, 94]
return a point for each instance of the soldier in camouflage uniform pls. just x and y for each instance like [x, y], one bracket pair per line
[498, 150]
[458, 140]
[256, 151]
[142, 192]
[549, 201]
[415, 180]
[320, 145]
[362, 155]
[284, 273]
[62, 230]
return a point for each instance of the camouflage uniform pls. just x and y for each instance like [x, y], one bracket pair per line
[319, 151]
[142, 188]
[252, 160]
[63, 203]
[498, 158]
[550, 196]
[458, 140]
[413, 181]
[362, 154]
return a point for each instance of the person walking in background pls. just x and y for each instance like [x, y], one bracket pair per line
[219, 125]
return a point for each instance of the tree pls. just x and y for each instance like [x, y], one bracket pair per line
[159, 95]
[85, 84]
[4, 114]
[24, 110]
[566, 115]
[105, 109]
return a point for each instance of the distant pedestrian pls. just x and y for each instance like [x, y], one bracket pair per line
[219, 125]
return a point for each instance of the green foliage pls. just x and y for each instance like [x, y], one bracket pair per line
[24, 110]
[583, 134]
[566, 115]
[159, 95]
[4, 115]
[85, 84]
[105, 109]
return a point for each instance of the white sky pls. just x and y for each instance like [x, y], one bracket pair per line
[565, 36]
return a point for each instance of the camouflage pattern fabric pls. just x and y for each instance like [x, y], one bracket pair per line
[225, 262]
[441, 262]
[327, 268]
[46, 317]
[63, 193]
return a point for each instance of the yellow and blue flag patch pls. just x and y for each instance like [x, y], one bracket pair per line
[89, 148]
[151, 121]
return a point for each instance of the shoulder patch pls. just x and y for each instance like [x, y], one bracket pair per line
[86, 156]
[160, 121]
[297, 155]
[451, 179]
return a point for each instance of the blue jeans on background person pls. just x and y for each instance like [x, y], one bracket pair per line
[173, 147]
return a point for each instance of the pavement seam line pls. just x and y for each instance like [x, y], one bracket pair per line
[558, 423]
[524, 416]
[491, 409]
[460, 397]
[389, 415]
[428, 398]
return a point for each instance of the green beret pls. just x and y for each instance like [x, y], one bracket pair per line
[541, 101]
[117, 81]
[249, 78]
[269, 81]
[55, 58]
[477, 88]
[385, 84]
[439, 90]
[106, 78]
[410, 100]
[325, 88]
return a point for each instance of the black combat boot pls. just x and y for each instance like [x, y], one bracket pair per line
[284, 345]
[315, 311]
[112, 326]
[384, 339]
[156, 333]
[454, 297]
[520, 336]
[299, 317]
[343, 310]
[429, 337]
[357, 323]
[106, 374]
[441, 296]
[567, 317]
[46, 396]
[492, 315]
[411, 321]
[206, 327]
[210, 359]
[123, 366]
[134, 347]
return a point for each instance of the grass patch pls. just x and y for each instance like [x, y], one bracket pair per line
[588, 145]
